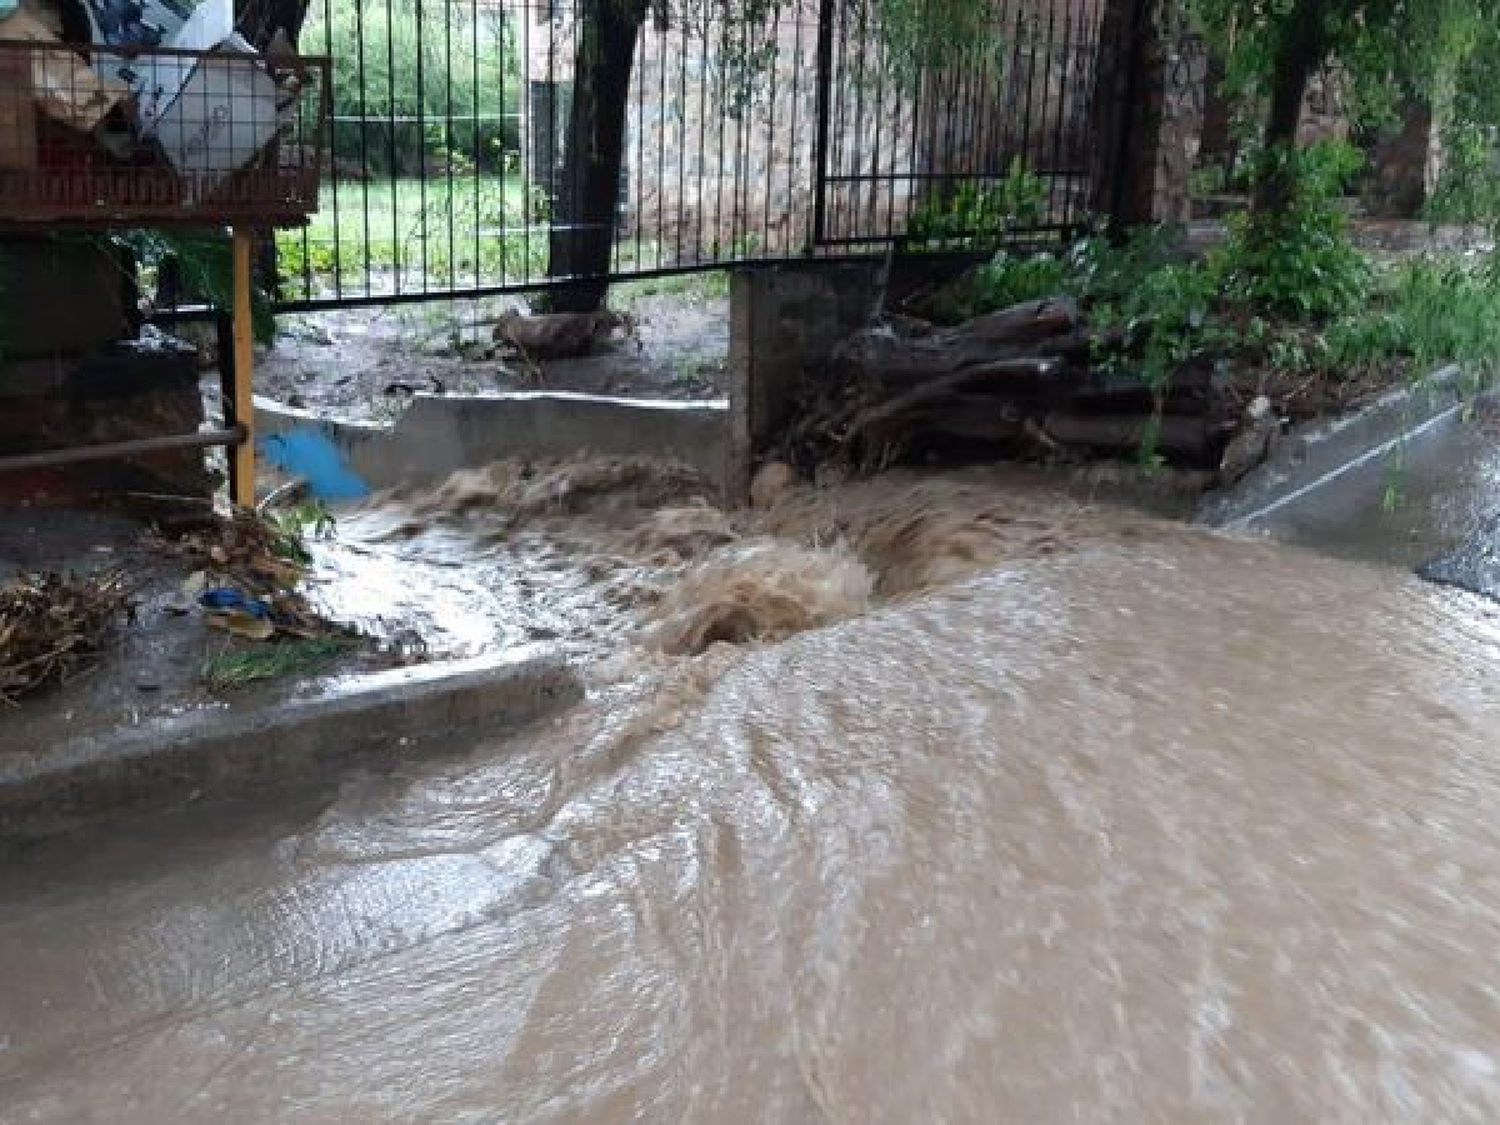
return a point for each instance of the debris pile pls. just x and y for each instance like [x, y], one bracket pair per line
[53, 628]
[247, 570]
[1032, 380]
[153, 84]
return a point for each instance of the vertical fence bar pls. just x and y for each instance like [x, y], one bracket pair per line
[391, 146]
[793, 148]
[476, 104]
[678, 220]
[420, 98]
[363, 125]
[823, 100]
[450, 149]
[634, 170]
[663, 36]
[332, 158]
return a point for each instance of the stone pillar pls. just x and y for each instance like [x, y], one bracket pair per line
[784, 321]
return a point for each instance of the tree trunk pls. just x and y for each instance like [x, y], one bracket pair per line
[1125, 115]
[258, 21]
[1301, 48]
[589, 193]
[1216, 147]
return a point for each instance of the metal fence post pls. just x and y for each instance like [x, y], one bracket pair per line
[824, 98]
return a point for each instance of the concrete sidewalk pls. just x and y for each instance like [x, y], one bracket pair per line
[53, 777]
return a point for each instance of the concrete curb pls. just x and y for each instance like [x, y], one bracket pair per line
[438, 435]
[364, 721]
[1320, 453]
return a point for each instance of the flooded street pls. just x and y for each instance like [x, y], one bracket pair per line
[1022, 812]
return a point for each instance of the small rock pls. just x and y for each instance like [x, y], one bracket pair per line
[1254, 442]
[770, 483]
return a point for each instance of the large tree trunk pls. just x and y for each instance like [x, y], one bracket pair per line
[259, 21]
[1216, 147]
[1301, 48]
[584, 216]
[1125, 119]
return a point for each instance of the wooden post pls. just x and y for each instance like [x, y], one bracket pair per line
[244, 372]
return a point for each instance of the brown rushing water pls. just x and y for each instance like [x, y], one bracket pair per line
[1059, 817]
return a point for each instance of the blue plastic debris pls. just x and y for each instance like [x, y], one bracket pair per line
[233, 601]
[311, 456]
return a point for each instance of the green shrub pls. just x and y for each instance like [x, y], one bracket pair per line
[1431, 310]
[979, 214]
[1301, 261]
[1006, 279]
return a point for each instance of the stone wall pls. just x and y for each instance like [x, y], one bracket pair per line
[720, 159]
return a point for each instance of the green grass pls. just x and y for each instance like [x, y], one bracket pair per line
[1433, 310]
[701, 286]
[471, 229]
[241, 667]
[401, 227]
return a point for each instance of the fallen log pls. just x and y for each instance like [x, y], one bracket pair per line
[1030, 378]
[1175, 433]
[972, 419]
[1024, 323]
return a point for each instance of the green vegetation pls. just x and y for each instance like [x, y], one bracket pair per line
[394, 97]
[409, 226]
[310, 519]
[205, 261]
[1299, 261]
[1308, 303]
[1427, 311]
[979, 214]
[703, 286]
[240, 667]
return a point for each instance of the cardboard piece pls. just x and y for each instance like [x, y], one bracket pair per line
[211, 116]
[61, 84]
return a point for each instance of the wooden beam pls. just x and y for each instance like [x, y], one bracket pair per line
[244, 372]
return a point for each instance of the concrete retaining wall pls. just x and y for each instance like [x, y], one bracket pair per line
[438, 435]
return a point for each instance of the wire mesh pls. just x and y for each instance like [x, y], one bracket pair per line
[132, 137]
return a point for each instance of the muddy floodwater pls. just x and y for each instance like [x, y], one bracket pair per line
[1028, 813]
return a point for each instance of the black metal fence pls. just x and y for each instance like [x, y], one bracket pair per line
[747, 140]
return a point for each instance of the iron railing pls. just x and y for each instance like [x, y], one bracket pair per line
[747, 141]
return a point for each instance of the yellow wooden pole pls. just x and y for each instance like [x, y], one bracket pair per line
[244, 372]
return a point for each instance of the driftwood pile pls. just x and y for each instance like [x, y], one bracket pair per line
[1032, 380]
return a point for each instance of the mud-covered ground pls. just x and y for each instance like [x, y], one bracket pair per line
[366, 364]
